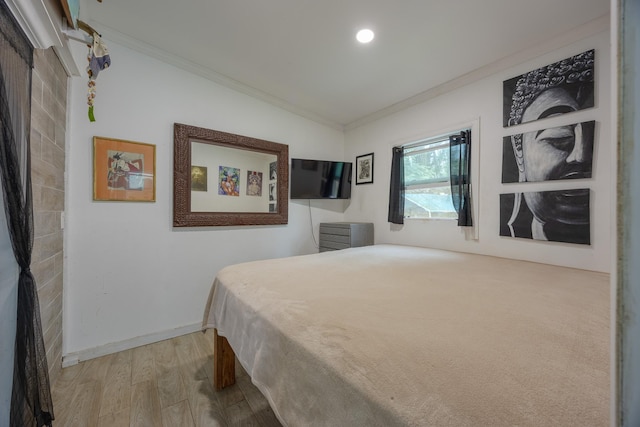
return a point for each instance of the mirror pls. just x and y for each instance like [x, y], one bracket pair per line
[222, 178]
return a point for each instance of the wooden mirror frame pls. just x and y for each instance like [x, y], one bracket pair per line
[183, 136]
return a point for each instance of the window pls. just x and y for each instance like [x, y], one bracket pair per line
[426, 176]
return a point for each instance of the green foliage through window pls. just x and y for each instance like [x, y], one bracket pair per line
[427, 163]
[426, 175]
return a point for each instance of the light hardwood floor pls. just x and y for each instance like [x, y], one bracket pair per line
[165, 384]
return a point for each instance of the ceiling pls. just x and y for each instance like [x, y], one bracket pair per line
[302, 54]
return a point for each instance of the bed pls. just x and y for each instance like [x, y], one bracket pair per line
[390, 335]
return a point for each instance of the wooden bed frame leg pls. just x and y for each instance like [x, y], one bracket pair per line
[224, 362]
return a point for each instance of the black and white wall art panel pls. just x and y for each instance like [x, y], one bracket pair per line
[557, 88]
[563, 152]
[559, 216]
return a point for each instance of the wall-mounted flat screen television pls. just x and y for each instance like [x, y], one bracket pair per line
[320, 179]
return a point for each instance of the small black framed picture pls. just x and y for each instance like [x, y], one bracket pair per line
[364, 169]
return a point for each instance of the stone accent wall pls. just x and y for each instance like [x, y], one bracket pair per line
[48, 127]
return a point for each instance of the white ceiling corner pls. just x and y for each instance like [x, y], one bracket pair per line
[301, 55]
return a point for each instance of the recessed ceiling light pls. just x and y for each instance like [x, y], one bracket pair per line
[365, 35]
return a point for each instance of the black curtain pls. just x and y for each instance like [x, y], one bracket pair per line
[31, 395]
[396, 190]
[460, 168]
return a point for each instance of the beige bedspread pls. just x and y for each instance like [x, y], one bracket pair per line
[393, 335]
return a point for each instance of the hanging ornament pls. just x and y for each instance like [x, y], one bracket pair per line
[99, 59]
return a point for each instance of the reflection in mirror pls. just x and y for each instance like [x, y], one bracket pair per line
[228, 179]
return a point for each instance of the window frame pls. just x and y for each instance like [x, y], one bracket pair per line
[442, 133]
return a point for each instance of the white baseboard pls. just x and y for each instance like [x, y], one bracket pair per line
[74, 358]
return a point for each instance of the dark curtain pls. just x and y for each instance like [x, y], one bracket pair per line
[31, 395]
[460, 168]
[396, 190]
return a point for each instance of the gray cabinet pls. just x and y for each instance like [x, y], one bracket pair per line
[342, 235]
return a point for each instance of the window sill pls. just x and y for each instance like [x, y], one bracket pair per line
[415, 218]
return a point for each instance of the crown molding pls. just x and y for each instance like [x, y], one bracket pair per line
[43, 24]
[209, 74]
[40, 21]
[591, 28]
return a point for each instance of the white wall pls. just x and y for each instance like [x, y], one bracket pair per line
[128, 272]
[483, 99]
